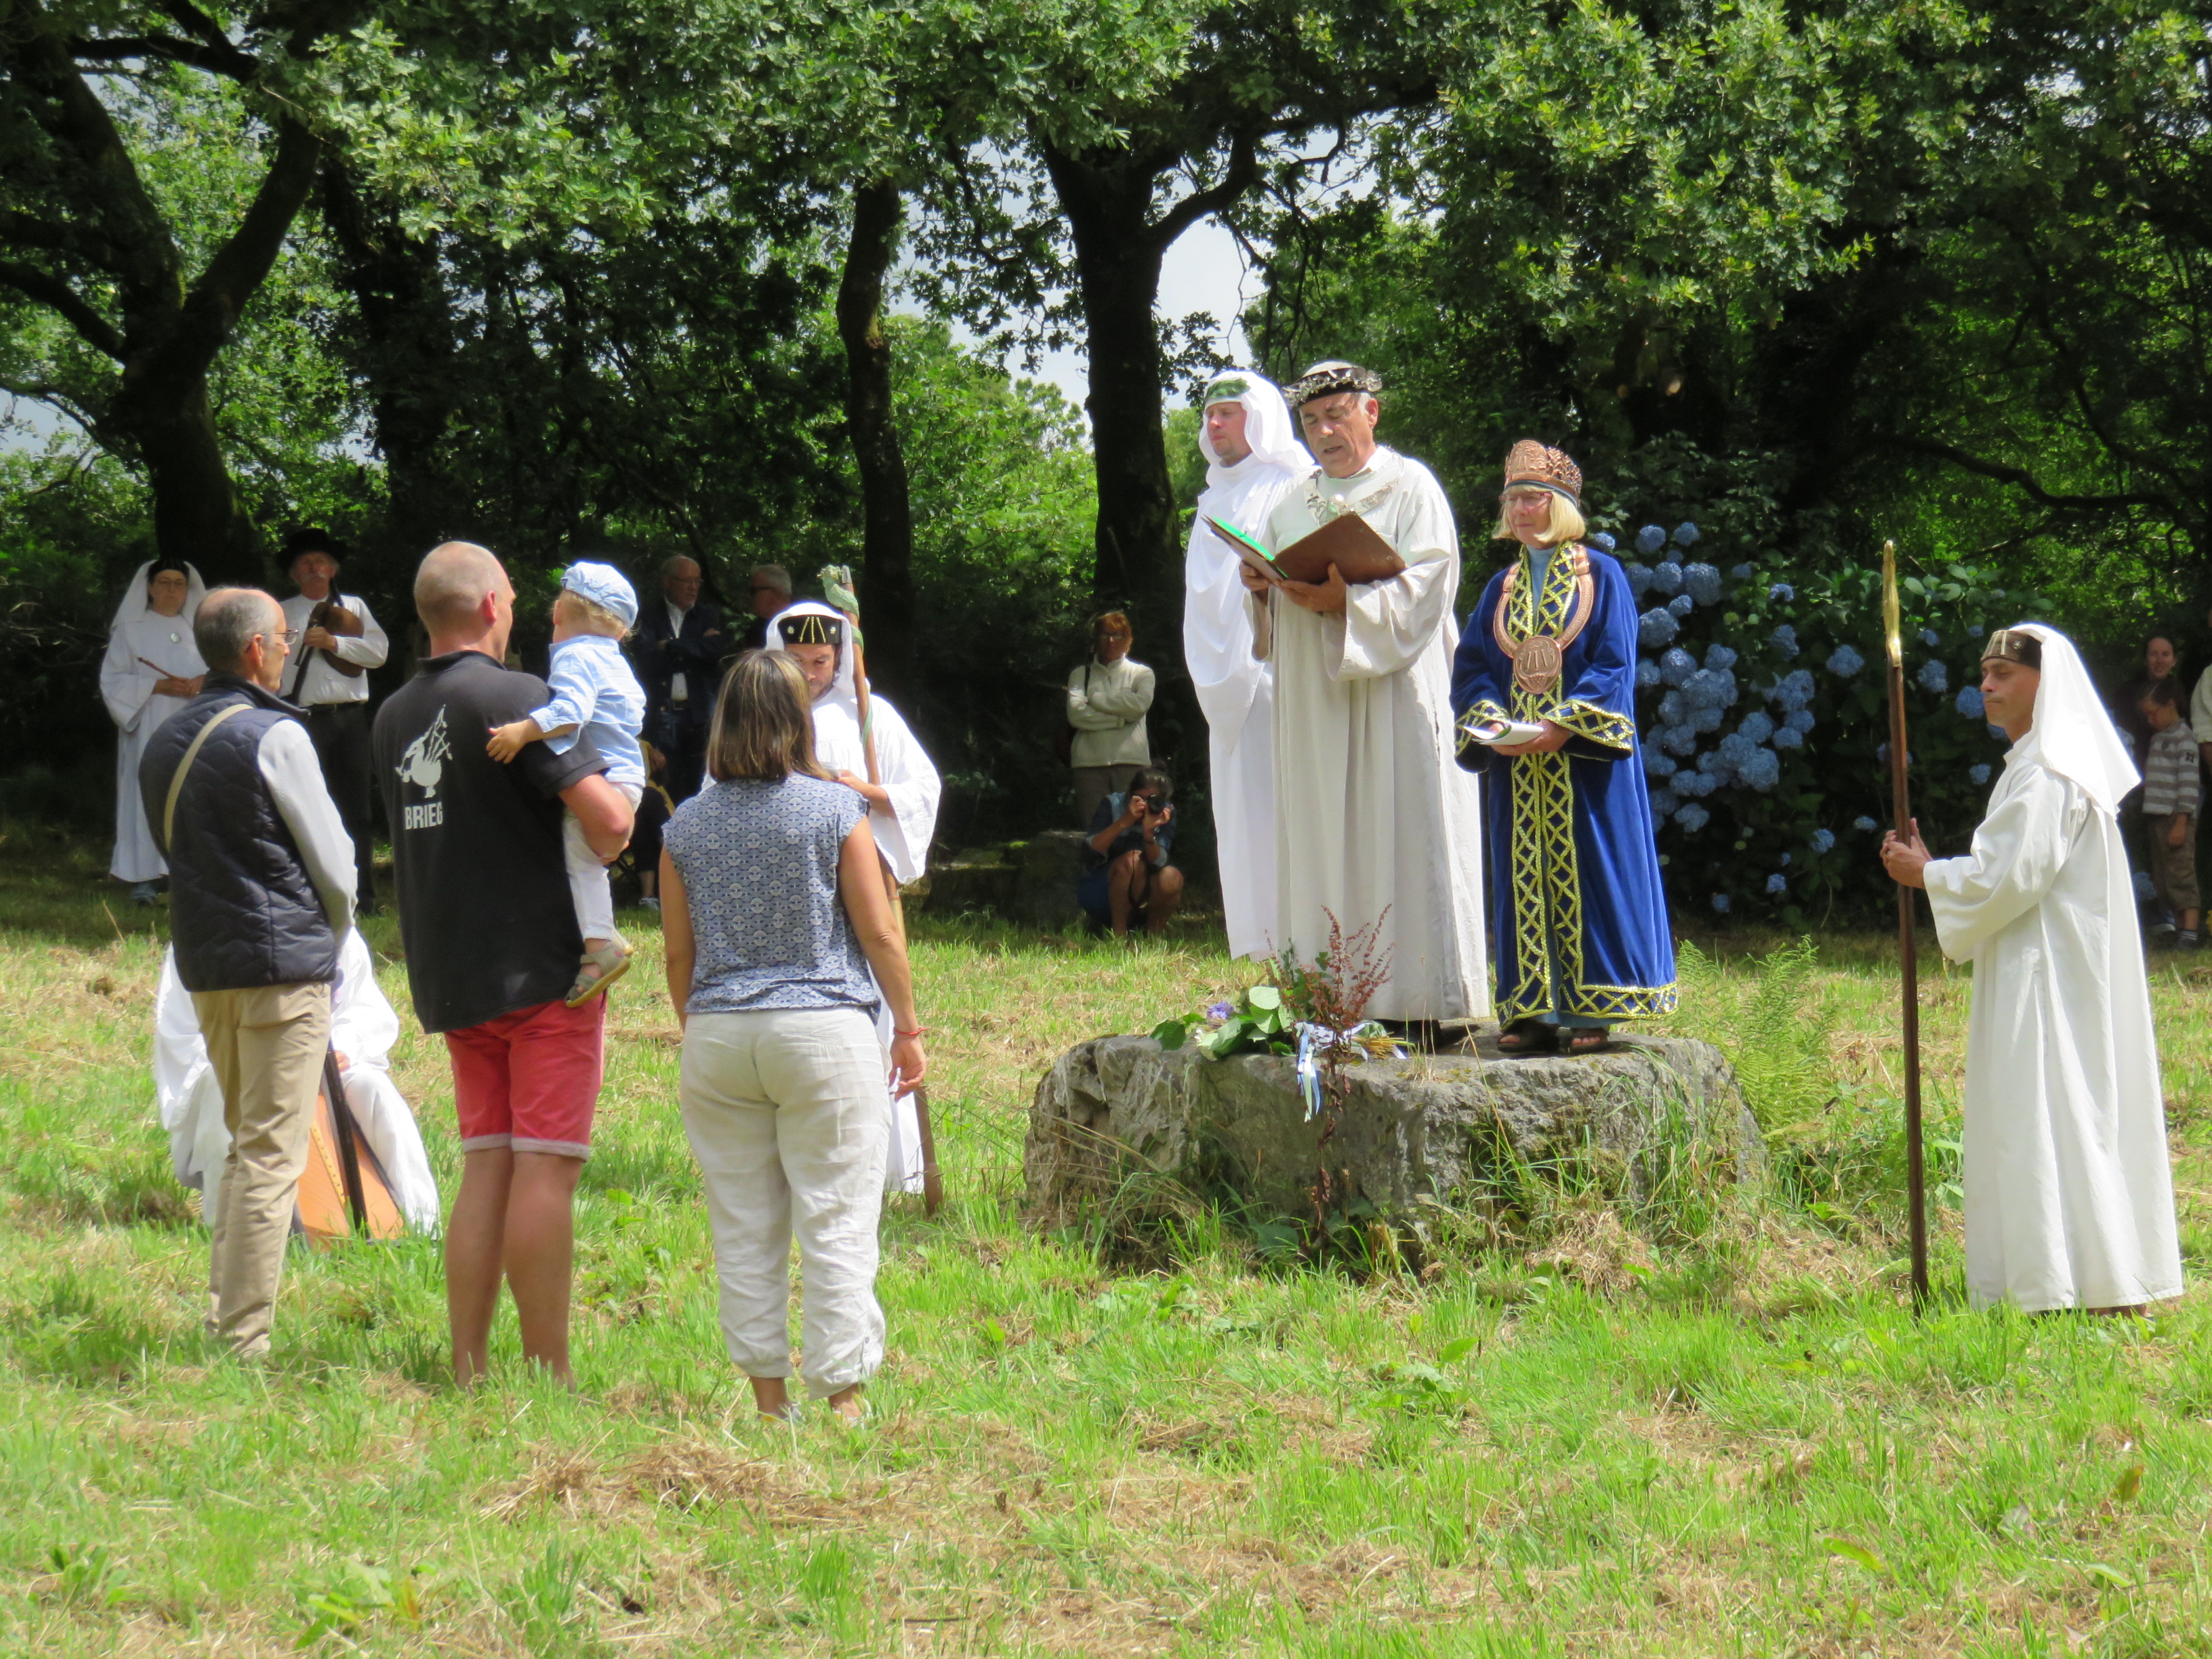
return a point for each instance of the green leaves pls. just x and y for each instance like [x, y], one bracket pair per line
[1850, 1549]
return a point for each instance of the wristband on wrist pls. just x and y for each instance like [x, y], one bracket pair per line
[916, 1032]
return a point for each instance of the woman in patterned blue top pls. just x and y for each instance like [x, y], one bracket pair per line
[779, 934]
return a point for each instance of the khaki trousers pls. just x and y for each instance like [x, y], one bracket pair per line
[267, 1048]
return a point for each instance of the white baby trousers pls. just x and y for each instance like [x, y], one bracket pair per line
[786, 1113]
[587, 877]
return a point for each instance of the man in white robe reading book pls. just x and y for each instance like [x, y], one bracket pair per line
[901, 802]
[1253, 460]
[1374, 823]
[2069, 1197]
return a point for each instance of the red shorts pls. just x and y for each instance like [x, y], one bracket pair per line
[530, 1079]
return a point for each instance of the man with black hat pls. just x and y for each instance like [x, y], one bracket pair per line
[336, 642]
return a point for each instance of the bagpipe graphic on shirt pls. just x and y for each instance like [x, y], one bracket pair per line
[422, 764]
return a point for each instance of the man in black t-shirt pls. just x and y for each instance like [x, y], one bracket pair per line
[492, 945]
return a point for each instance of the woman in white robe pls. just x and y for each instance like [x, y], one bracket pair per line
[362, 1029]
[2069, 1196]
[152, 669]
[1235, 688]
[903, 827]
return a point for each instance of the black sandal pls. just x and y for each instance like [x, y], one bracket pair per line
[1528, 1036]
[1586, 1040]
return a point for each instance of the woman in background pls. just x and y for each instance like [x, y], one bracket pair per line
[773, 910]
[151, 670]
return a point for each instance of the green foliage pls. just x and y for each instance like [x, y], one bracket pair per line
[1771, 1021]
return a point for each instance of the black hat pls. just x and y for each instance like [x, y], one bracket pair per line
[164, 562]
[812, 628]
[309, 540]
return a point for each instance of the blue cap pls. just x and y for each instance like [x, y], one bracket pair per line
[604, 586]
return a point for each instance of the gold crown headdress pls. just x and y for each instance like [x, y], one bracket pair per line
[1325, 380]
[2015, 645]
[1529, 463]
[812, 628]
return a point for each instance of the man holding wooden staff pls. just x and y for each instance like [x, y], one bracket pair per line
[2069, 1198]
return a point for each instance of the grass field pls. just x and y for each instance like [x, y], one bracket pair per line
[1570, 1439]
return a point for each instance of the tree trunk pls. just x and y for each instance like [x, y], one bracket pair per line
[165, 419]
[887, 511]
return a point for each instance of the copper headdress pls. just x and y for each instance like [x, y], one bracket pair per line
[1327, 380]
[2015, 645]
[812, 628]
[1533, 464]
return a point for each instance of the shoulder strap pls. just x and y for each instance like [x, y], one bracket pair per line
[191, 753]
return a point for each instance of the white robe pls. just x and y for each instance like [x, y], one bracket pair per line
[1237, 692]
[362, 1028]
[902, 835]
[2069, 1197]
[1373, 815]
[126, 685]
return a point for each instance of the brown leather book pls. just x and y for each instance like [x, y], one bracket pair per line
[1347, 542]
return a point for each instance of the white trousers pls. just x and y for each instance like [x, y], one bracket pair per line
[587, 877]
[785, 1112]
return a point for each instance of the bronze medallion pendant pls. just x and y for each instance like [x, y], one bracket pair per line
[1536, 664]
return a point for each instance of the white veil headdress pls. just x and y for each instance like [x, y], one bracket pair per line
[1267, 426]
[136, 604]
[2071, 733]
[844, 689]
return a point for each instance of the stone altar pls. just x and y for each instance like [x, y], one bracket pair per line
[1412, 1132]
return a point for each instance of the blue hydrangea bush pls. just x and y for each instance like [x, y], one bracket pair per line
[1762, 693]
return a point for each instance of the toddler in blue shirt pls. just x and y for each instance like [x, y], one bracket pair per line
[594, 694]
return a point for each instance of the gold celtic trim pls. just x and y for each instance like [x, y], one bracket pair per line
[1599, 725]
[1477, 713]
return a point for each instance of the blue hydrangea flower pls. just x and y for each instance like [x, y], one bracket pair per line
[1704, 583]
[1969, 701]
[1639, 578]
[1911, 760]
[1602, 542]
[1677, 665]
[1777, 882]
[1863, 823]
[1701, 689]
[1695, 782]
[1784, 640]
[1678, 740]
[1686, 535]
[1799, 720]
[1782, 592]
[1663, 803]
[1666, 576]
[1740, 573]
[1763, 770]
[1657, 764]
[1719, 657]
[1682, 603]
[1789, 736]
[1757, 726]
[1721, 902]
[1999, 732]
[1672, 708]
[1933, 677]
[1704, 719]
[1786, 860]
[1691, 816]
[1844, 662]
[1930, 638]
[1823, 840]
[1980, 773]
[1732, 752]
[1650, 539]
[1792, 690]
[1647, 673]
[1656, 629]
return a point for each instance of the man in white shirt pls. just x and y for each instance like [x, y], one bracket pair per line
[1107, 699]
[335, 642]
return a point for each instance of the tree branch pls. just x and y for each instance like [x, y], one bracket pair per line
[59, 297]
[1243, 173]
[232, 65]
[2025, 481]
[210, 33]
[239, 266]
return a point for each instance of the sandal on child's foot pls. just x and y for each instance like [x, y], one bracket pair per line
[611, 960]
[1528, 1036]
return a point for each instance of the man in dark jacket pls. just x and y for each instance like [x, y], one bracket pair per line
[261, 883]
[680, 645]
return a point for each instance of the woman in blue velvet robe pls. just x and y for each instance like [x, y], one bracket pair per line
[1578, 919]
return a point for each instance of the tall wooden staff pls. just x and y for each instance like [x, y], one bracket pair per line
[843, 594]
[1915, 1173]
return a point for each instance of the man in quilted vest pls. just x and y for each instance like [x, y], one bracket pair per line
[261, 883]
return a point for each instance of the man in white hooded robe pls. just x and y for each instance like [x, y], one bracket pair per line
[2069, 1196]
[901, 803]
[1375, 824]
[152, 669]
[1253, 460]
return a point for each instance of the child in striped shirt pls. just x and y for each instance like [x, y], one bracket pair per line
[2170, 801]
[594, 693]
